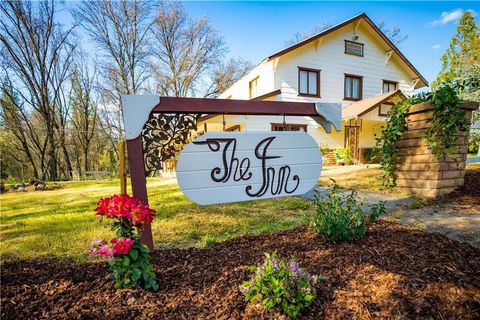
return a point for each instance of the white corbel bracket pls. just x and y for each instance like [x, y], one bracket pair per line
[329, 114]
[388, 55]
[414, 83]
[136, 111]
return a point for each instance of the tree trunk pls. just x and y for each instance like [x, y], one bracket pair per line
[67, 159]
[85, 151]
[52, 162]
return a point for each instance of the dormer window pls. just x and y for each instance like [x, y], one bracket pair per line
[354, 48]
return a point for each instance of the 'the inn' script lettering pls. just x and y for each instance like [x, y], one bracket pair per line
[274, 180]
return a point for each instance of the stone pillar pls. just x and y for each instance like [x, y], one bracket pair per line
[418, 170]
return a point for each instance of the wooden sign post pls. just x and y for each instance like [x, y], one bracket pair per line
[137, 110]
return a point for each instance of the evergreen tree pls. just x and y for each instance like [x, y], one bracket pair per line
[464, 50]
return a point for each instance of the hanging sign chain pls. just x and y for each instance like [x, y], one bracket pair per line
[284, 123]
[224, 122]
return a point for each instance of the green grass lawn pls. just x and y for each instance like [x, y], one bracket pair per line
[60, 223]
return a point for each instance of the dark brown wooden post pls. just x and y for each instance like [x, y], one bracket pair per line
[139, 182]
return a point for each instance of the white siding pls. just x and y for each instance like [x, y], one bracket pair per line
[240, 90]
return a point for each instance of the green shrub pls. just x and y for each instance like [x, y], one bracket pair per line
[376, 211]
[343, 156]
[338, 219]
[474, 141]
[416, 203]
[280, 284]
[370, 155]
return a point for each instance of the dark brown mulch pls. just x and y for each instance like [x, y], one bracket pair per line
[395, 272]
[469, 193]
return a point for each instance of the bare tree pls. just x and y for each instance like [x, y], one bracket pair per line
[224, 75]
[299, 37]
[17, 124]
[394, 34]
[183, 50]
[84, 115]
[120, 30]
[37, 54]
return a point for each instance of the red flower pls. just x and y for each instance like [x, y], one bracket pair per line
[142, 214]
[103, 206]
[124, 206]
[122, 245]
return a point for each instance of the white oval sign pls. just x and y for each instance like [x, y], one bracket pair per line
[221, 167]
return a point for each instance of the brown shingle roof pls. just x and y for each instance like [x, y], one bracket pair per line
[361, 107]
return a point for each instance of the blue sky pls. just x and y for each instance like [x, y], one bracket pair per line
[253, 30]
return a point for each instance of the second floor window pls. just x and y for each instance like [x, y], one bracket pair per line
[253, 88]
[353, 87]
[389, 86]
[308, 82]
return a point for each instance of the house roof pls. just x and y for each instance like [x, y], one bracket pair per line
[361, 107]
[340, 25]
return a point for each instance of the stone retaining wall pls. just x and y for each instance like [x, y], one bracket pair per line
[418, 170]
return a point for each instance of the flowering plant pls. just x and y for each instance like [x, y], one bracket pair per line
[128, 258]
[282, 284]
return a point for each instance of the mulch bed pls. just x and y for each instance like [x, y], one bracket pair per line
[467, 195]
[395, 272]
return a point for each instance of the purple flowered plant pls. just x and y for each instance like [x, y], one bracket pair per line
[281, 284]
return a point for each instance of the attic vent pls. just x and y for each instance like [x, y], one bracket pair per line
[354, 48]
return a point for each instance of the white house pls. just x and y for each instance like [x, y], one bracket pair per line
[352, 63]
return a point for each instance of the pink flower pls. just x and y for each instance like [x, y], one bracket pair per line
[105, 251]
[122, 245]
[95, 245]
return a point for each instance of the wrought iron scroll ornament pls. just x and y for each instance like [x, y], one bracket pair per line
[164, 135]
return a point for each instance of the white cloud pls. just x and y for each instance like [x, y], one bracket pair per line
[448, 16]
[436, 47]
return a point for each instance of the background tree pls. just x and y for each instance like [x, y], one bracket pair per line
[36, 54]
[19, 138]
[464, 50]
[461, 64]
[224, 75]
[394, 34]
[299, 37]
[84, 113]
[60, 108]
[183, 50]
[120, 31]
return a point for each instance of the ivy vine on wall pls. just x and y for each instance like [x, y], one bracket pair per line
[387, 151]
[448, 118]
